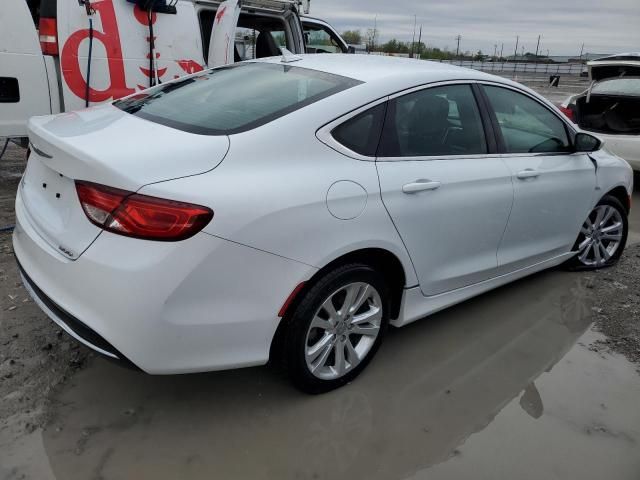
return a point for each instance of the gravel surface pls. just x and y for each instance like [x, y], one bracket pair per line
[35, 355]
[617, 305]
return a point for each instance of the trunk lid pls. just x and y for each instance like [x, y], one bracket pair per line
[108, 146]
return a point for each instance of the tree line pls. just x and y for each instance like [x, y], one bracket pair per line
[395, 46]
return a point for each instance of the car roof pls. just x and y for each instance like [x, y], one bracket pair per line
[393, 71]
[383, 76]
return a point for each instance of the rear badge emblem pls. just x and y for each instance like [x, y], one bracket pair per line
[68, 253]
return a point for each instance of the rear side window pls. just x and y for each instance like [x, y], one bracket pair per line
[234, 99]
[434, 122]
[361, 134]
[526, 125]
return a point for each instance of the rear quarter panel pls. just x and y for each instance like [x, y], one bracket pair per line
[271, 190]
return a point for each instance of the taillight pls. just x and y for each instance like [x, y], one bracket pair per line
[568, 112]
[48, 29]
[141, 216]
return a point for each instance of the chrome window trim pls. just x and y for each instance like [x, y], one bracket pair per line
[539, 99]
[475, 156]
[324, 133]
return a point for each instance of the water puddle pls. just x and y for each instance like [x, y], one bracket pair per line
[503, 386]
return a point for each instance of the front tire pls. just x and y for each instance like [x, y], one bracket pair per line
[336, 328]
[602, 237]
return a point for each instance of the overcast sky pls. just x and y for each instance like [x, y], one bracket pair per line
[605, 26]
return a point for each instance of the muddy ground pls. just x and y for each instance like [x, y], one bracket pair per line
[66, 414]
[35, 355]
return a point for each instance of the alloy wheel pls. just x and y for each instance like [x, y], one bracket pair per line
[343, 330]
[601, 236]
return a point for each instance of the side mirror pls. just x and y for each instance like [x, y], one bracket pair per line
[351, 50]
[585, 142]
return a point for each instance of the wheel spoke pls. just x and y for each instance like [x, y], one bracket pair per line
[612, 228]
[319, 349]
[350, 298]
[608, 213]
[604, 252]
[588, 223]
[585, 255]
[585, 243]
[599, 216]
[370, 316]
[321, 323]
[616, 237]
[352, 355]
[340, 364]
[597, 253]
[368, 330]
[362, 296]
[322, 360]
[328, 307]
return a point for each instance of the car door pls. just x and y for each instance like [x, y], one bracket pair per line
[222, 43]
[447, 195]
[24, 87]
[553, 186]
[320, 37]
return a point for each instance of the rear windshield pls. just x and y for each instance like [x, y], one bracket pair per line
[618, 86]
[234, 99]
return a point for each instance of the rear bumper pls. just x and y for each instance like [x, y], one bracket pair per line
[70, 324]
[197, 305]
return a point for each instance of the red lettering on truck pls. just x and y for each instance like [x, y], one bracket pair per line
[73, 72]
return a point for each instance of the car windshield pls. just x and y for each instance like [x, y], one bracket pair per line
[234, 99]
[618, 86]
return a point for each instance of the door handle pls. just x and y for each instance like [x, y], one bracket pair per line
[420, 186]
[528, 173]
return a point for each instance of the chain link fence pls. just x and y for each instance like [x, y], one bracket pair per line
[575, 69]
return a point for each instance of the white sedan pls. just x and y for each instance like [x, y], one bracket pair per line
[293, 208]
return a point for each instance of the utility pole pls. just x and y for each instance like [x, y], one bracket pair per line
[458, 38]
[538, 46]
[420, 42]
[581, 51]
[413, 40]
[495, 50]
[501, 50]
[374, 34]
[515, 53]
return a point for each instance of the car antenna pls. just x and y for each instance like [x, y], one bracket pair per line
[288, 57]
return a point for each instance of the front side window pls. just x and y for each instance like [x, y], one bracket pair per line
[526, 125]
[433, 122]
[235, 98]
[321, 40]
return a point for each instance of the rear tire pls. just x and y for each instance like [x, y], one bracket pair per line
[602, 237]
[336, 328]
